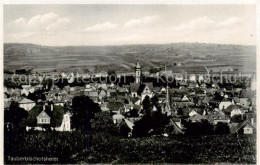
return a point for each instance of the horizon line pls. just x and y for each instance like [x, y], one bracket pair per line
[209, 43]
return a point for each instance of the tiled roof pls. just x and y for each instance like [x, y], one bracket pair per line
[56, 115]
[235, 127]
[26, 101]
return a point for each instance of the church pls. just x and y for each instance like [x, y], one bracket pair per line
[139, 89]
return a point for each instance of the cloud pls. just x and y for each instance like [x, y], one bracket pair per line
[201, 23]
[61, 23]
[45, 22]
[229, 22]
[44, 19]
[21, 20]
[205, 25]
[141, 22]
[101, 27]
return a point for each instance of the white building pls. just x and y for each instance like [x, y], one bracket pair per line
[26, 104]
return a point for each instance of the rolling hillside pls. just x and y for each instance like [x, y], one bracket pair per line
[47, 58]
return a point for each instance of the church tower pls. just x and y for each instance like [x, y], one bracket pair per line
[253, 83]
[137, 73]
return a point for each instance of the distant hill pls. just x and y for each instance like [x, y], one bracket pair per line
[48, 58]
[14, 49]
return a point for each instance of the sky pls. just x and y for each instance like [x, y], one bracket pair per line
[63, 25]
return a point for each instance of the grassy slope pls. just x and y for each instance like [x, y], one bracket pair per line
[73, 148]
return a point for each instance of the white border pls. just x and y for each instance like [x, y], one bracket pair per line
[129, 1]
[195, 2]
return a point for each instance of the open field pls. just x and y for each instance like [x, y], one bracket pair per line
[103, 148]
[44, 58]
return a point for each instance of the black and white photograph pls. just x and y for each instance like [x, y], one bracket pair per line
[147, 83]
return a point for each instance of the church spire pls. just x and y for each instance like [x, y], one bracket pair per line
[167, 102]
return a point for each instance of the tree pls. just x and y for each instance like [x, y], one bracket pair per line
[237, 118]
[126, 101]
[32, 96]
[221, 128]
[133, 113]
[62, 82]
[16, 116]
[147, 106]
[111, 72]
[155, 101]
[198, 128]
[84, 110]
[143, 126]
[47, 83]
[124, 130]
[160, 121]
[102, 122]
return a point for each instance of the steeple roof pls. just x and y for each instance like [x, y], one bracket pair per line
[137, 65]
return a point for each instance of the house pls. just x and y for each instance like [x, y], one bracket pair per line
[245, 102]
[134, 87]
[111, 92]
[203, 85]
[24, 92]
[215, 85]
[43, 118]
[197, 118]
[205, 100]
[95, 99]
[192, 113]
[32, 90]
[233, 110]
[122, 90]
[130, 125]
[128, 107]
[141, 90]
[26, 86]
[193, 85]
[50, 116]
[93, 93]
[7, 103]
[201, 78]
[101, 74]
[185, 98]
[183, 84]
[163, 90]
[224, 104]
[118, 118]
[26, 104]
[178, 77]
[217, 116]
[177, 121]
[176, 125]
[236, 100]
[244, 127]
[104, 107]
[181, 102]
[58, 102]
[102, 86]
[192, 78]
[102, 94]
[245, 93]
[63, 92]
[147, 91]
